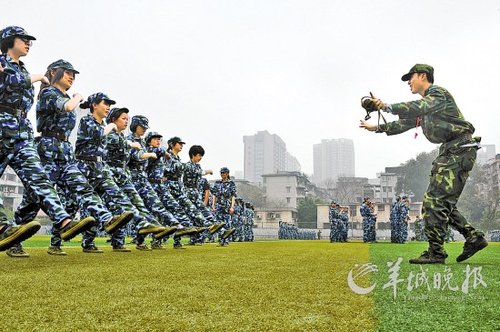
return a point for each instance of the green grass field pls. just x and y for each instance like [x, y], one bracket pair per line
[266, 285]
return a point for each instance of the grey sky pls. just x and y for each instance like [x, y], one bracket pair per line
[213, 71]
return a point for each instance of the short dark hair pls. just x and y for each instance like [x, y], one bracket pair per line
[196, 149]
[7, 43]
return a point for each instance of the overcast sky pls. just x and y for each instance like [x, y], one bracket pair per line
[214, 71]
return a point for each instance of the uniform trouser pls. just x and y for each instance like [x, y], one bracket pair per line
[238, 224]
[123, 180]
[163, 192]
[101, 179]
[151, 199]
[399, 232]
[369, 234]
[222, 214]
[346, 230]
[449, 173]
[71, 181]
[178, 192]
[194, 196]
[23, 158]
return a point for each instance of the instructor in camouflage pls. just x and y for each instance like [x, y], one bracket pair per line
[443, 123]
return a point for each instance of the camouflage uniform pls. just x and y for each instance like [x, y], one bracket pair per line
[333, 217]
[344, 218]
[191, 179]
[419, 230]
[155, 171]
[369, 219]
[174, 172]
[90, 152]
[56, 154]
[248, 224]
[441, 122]
[223, 192]
[394, 218]
[137, 165]
[205, 189]
[403, 222]
[117, 156]
[16, 135]
[237, 220]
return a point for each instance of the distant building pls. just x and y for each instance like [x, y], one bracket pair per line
[11, 189]
[292, 164]
[284, 189]
[333, 158]
[265, 153]
[493, 178]
[486, 153]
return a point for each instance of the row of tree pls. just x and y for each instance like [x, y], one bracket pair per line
[479, 202]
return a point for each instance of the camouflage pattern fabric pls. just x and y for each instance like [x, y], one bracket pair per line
[91, 142]
[118, 152]
[16, 138]
[441, 122]
[369, 219]
[59, 164]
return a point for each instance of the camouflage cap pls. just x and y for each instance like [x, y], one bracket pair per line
[139, 120]
[98, 97]
[115, 113]
[62, 64]
[13, 31]
[224, 170]
[151, 135]
[174, 140]
[418, 68]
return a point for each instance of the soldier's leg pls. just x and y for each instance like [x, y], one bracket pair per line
[87, 200]
[28, 209]
[190, 209]
[439, 206]
[148, 224]
[118, 203]
[29, 169]
[153, 202]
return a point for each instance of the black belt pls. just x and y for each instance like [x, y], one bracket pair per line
[59, 136]
[89, 158]
[13, 111]
[158, 181]
[116, 164]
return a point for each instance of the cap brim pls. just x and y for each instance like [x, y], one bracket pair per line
[406, 77]
[28, 37]
[109, 101]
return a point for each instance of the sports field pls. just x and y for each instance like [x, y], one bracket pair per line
[260, 286]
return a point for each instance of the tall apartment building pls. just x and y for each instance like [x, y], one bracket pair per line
[266, 153]
[333, 158]
[486, 154]
[11, 189]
